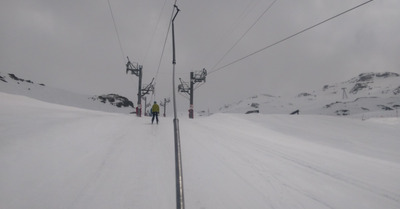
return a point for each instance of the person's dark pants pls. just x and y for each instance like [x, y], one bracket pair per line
[155, 115]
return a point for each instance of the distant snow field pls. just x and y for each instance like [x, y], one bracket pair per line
[54, 156]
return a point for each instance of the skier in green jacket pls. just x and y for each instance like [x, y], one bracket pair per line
[155, 109]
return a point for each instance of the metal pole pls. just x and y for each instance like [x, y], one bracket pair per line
[165, 106]
[174, 62]
[139, 110]
[180, 203]
[191, 95]
[145, 106]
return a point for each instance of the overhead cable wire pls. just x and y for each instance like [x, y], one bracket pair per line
[116, 31]
[165, 42]
[163, 49]
[148, 48]
[244, 34]
[289, 37]
[231, 29]
[155, 30]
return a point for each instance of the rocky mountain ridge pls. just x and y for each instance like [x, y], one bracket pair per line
[366, 95]
[10, 83]
[114, 99]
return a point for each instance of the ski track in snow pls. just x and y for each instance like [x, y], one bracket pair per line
[253, 150]
[136, 159]
[54, 156]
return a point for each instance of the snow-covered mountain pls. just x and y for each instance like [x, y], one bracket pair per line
[11, 83]
[369, 94]
[55, 156]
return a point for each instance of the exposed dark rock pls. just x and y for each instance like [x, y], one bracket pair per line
[255, 105]
[14, 77]
[296, 112]
[2, 79]
[326, 87]
[396, 91]
[396, 106]
[304, 94]
[331, 104]
[387, 75]
[366, 77]
[361, 98]
[268, 95]
[358, 87]
[369, 77]
[252, 111]
[383, 107]
[342, 112]
[114, 99]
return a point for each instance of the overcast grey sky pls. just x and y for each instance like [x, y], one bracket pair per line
[73, 44]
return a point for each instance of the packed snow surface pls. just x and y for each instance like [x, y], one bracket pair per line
[54, 156]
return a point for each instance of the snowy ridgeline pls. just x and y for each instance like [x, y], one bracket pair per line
[10, 83]
[54, 156]
[367, 95]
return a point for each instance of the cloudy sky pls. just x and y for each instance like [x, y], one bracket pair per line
[73, 44]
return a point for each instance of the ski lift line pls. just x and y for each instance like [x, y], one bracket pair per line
[289, 37]
[198, 86]
[232, 28]
[185, 96]
[163, 49]
[165, 42]
[244, 34]
[132, 61]
[155, 30]
[155, 77]
[116, 31]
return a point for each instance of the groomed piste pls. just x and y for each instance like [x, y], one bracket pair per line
[54, 156]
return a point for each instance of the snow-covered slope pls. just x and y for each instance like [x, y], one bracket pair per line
[10, 83]
[369, 94]
[54, 156]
